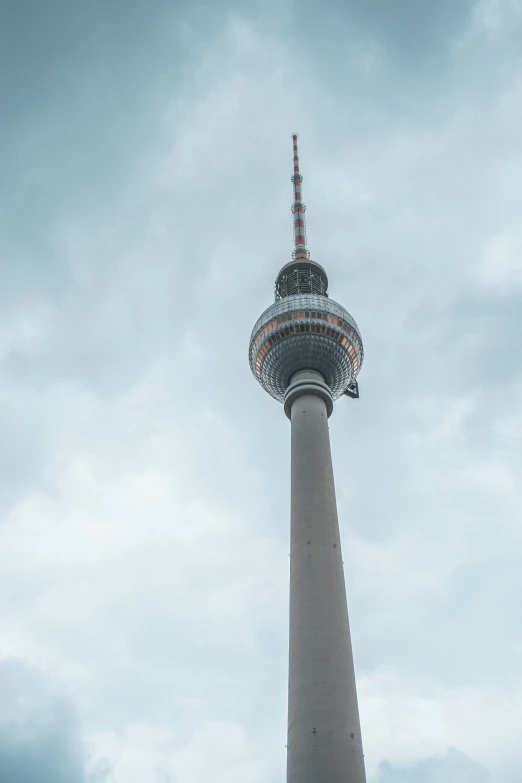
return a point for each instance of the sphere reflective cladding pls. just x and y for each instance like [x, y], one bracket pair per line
[305, 331]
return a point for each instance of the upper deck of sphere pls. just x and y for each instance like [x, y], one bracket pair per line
[301, 276]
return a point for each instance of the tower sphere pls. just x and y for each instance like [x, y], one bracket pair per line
[305, 330]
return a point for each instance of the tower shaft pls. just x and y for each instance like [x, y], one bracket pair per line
[324, 734]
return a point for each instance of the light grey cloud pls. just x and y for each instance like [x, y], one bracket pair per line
[452, 767]
[411, 32]
[144, 514]
[39, 734]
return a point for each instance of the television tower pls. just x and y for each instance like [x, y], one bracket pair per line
[306, 351]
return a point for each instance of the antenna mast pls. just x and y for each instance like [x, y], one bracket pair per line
[298, 209]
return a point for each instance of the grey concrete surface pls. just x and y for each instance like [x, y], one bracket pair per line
[324, 734]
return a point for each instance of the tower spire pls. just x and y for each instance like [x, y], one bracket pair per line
[298, 209]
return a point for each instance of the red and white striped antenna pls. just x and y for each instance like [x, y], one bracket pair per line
[298, 209]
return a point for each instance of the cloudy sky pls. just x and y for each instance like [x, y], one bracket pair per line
[144, 475]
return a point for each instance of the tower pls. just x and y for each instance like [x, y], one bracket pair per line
[306, 351]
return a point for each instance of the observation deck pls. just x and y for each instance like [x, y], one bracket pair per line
[301, 276]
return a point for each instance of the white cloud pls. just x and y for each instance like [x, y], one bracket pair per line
[146, 568]
[403, 722]
[127, 510]
[502, 264]
[494, 15]
[450, 767]
[217, 750]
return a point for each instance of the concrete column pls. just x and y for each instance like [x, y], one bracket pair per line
[324, 733]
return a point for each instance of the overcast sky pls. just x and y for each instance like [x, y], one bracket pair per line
[144, 474]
